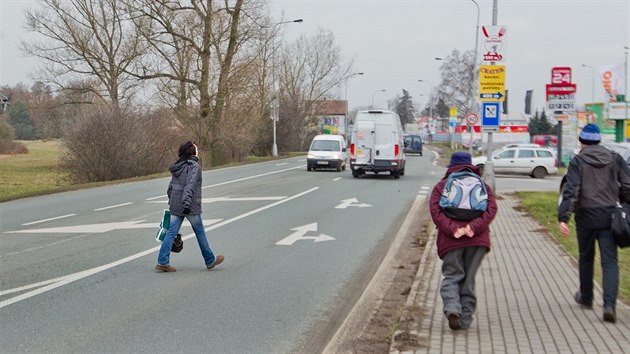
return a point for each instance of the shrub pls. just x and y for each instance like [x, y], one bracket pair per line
[108, 143]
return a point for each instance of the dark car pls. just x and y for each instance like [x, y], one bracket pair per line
[413, 144]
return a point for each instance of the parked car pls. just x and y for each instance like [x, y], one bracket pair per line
[476, 145]
[327, 151]
[413, 144]
[523, 159]
[377, 144]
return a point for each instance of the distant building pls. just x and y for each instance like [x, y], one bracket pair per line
[331, 116]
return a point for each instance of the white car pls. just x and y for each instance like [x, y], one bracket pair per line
[525, 159]
[327, 151]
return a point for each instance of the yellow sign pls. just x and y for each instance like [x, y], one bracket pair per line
[453, 112]
[492, 83]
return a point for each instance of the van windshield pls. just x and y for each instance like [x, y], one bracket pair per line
[325, 145]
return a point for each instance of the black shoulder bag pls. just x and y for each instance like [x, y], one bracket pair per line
[620, 218]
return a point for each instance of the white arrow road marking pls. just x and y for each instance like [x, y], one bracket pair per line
[55, 218]
[61, 281]
[299, 235]
[227, 199]
[349, 202]
[99, 228]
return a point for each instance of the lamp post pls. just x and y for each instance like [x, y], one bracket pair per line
[374, 93]
[346, 98]
[430, 98]
[475, 86]
[276, 91]
[592, 83]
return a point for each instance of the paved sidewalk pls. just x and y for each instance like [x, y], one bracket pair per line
[525, 300]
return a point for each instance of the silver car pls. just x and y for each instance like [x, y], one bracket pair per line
[526, 159]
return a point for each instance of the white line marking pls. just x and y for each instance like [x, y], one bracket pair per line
[282, 164]
[336, 179]
[425, 187]
[113, 206]
[55, 218]
[58, 282]
[238, 180]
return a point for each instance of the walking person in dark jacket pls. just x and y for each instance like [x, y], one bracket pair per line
[596, 179]
[184, 200]
[462, 246]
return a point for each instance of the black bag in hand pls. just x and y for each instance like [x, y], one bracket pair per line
[178, 244]
[620, 225]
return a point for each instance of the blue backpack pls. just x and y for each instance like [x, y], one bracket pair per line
[464, 196]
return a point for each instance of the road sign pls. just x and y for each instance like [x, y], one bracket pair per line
[472, 119]
[561, 97]
[453, 112]
[492, 82]
[490, 114]
[617, 110]
[493, 43]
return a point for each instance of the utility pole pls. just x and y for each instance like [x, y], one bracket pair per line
[488, 170]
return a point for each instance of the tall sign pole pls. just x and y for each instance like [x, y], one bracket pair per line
[490, 110]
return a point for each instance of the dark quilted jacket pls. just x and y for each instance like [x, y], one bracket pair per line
[184, 191]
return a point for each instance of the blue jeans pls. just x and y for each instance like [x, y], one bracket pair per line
[200, 232]
[610, 268]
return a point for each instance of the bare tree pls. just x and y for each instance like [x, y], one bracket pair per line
[85, 39]
[194, 53]
[311, 69]
[457, 83]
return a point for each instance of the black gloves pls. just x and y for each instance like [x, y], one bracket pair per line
[186, 211]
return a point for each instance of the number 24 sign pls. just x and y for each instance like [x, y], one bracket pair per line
[561, 76]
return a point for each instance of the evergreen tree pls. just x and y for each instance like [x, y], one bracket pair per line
[405, 108]
[20, 119]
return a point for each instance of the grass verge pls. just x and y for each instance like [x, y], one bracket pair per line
[39, 173]
[542, 206]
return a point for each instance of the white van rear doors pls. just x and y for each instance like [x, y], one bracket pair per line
[365, 142]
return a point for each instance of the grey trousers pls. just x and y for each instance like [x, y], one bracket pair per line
[459, 268]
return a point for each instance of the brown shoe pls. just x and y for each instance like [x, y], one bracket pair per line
[218, 260]
[165, 268]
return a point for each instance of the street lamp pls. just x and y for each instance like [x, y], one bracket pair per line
[430, 99]
[592, 83]
[374, 93]
[346, 85]
[276, 91]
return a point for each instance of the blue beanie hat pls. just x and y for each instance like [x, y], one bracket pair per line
[590, 134]
[460, 158]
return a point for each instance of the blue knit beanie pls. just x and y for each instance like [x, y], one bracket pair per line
[460, 158]
[590, 135]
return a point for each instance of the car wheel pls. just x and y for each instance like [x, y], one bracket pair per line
[420, 153]
[308, 168]
[339, 168]
[539, 172]
[402, 172]
[396, 174]
[343, 168]
[356, 173]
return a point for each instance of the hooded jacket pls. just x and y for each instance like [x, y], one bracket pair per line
[184, 190]
[596, 179]
[447, 226]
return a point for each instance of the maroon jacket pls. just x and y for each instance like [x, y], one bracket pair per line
[447, 226]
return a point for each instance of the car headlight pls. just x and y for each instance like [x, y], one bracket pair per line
[335, 157]
[310, 156]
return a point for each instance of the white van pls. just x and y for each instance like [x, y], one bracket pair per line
[327, 151]
[377, 144]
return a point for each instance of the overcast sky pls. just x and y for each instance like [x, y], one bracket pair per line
[394, 42]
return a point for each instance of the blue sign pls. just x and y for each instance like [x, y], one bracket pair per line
[496, 96]
[490, 114]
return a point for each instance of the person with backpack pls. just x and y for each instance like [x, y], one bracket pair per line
[184, 201]
[462, 207]
[596, 180]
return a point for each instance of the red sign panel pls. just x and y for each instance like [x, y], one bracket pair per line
[560, 89]
[561, 76]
